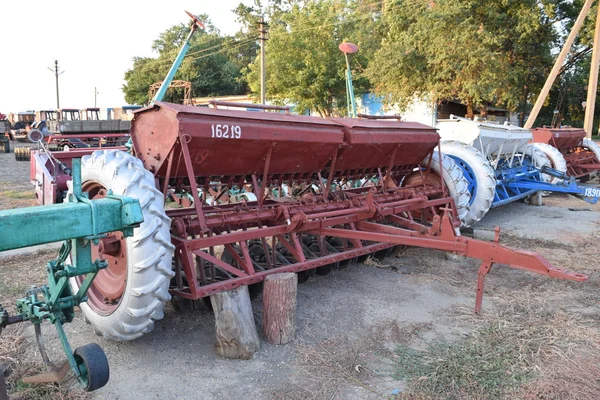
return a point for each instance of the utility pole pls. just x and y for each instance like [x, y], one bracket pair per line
[56, 74]
[95, 93]
[558, 64]
[263, 71]
[588, 122]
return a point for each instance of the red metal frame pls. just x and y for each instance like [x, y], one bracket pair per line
[275, 235]
[44, 170]
[569, 141]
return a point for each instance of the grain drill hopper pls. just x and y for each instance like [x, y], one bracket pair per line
[569, 151]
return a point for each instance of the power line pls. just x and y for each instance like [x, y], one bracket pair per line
[223, 50]
[227, 42]
[369, 5]
[248, 40]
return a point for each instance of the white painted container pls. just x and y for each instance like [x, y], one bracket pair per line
[492, 140]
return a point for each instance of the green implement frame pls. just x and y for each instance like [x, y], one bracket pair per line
[80, 223]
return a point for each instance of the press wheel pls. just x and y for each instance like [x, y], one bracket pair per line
[93, 366]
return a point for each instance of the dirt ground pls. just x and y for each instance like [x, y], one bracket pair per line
[399, 328]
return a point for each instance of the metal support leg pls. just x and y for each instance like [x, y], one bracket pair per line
[484, 269]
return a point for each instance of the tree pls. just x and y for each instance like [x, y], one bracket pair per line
[573, 80]
[304, 65]
[477, 51]
[213, 64]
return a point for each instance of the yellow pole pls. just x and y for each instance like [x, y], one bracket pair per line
[588, 123]
[558, 64]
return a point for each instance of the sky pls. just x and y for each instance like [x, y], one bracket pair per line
[94, 43]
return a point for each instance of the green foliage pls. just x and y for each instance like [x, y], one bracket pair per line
[478, 51]
[213, 64]
[482, 52]
[484, 366]
[572, 84]
[303, 63]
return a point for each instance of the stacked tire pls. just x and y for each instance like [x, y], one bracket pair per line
[23, 153]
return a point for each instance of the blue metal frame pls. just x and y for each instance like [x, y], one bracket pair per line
[468, 174]
[516, 182]
[506, 173]
[503, 193]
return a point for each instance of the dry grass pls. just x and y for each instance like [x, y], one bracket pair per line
[17, 274]
[576, 377]
[515, 351]
[538, 338]
[326, 369]
[16, 196]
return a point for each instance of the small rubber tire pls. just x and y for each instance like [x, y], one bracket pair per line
[338, 243]
[540, 160]
[594, 148]
[96, 369]
[557, 160]
[149, 250]
[305, 275]
[325, 269]
[474, 204]
[380, 255]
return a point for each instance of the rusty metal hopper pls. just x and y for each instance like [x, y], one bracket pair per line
[226, 143]
[561, 138]
[232, 143]
[372, 144]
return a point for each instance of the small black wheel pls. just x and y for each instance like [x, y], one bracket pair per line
[182, 306]
[584, 178]
[338, 244]
[208, 303]
[363, 258]
[325, 269]
[93, 366]
[382, 254]
[303, 276]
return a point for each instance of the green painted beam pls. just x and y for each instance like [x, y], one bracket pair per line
[31, 226]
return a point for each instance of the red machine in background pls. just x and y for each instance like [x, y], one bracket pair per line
[50, 165]
[569, 151]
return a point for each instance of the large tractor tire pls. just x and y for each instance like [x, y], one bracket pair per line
[595, 148]
[129, 295]
[540, 160]
[454, 180]
[557, 160]
[480, 177]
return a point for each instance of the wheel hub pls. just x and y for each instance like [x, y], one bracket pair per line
[109, 285]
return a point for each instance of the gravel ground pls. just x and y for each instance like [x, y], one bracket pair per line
[348, 323]
[11, 171]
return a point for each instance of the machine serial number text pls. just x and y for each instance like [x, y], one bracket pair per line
[592, 192]
[226, 131]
